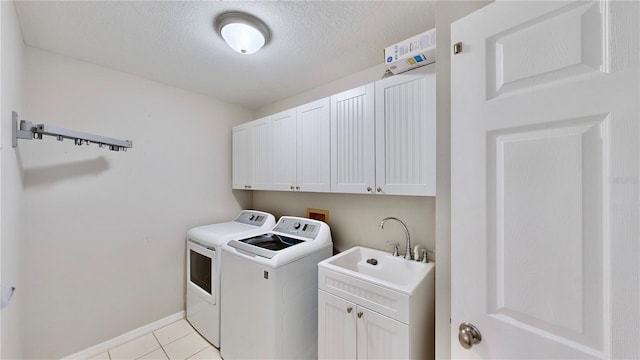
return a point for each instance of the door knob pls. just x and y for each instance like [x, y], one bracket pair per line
[468, 335]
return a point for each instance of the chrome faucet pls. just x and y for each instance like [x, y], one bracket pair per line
[407, 253]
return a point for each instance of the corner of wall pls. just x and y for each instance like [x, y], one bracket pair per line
[10, 178]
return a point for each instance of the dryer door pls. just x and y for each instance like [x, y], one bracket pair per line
[201, 277]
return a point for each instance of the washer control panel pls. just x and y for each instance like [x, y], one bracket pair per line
[298, 226]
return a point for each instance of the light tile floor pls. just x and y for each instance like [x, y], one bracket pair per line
[174, 341]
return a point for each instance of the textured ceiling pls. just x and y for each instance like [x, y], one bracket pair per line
[312, 43]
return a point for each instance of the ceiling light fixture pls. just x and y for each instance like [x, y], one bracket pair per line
[244, 33]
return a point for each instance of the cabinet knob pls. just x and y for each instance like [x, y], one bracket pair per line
[349, 310]
[379, 189]
[291, 187]
[297, 187]
[368, 188]
[360, 314]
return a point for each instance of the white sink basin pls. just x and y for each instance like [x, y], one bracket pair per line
[379, 281]
[379, 268]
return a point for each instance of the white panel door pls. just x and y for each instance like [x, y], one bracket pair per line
[314, 160]
[241, 140]
[406, 133]
[336, 327]
[545, 168]
[380, 337]
[261, 160]
[283, 160]
[352, 141]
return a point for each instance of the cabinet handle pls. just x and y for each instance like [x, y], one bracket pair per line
[368, 188]
[360, 315]
[349, 310]
[379, 189]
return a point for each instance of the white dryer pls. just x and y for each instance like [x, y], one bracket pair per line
[204, 254]
[269, 291]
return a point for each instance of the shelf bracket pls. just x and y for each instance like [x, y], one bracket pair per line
[23, 129]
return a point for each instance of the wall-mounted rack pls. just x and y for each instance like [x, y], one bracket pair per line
[27, 130]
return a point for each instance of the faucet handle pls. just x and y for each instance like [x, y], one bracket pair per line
[396, 250]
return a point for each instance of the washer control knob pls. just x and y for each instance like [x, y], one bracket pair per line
[296, 225]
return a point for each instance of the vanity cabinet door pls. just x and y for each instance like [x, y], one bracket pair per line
[380, 337]
[336, 327]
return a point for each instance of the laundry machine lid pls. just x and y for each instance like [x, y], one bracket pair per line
[247, 223]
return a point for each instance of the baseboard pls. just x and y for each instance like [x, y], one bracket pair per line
[125, 338]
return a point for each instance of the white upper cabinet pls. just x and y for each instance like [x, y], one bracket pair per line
[352, 141]
[376, 139]
[242, 153]
[313, 134]
[405, 133]
[251, 158]
[284, 159]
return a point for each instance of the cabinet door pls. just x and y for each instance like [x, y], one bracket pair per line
[352, 141]
[241, 157]
[261, 159]
[284, 159]
[380, 337]
[314, 133]
[405, 133]
[336, 327]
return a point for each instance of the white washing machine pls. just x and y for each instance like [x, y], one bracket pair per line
[204, 254]
[269, 291]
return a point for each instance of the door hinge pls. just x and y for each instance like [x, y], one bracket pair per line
[457, 48]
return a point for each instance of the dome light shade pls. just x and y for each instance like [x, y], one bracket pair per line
[242, 32]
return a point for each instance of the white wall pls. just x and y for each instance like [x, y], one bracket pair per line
[354, 218]
[446, 13]
[103, 251]
[11, 209]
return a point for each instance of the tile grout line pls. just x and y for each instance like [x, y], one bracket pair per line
[161, 346]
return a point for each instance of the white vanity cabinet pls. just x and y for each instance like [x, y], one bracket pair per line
[405, 128]
[350, 331]
[373, 305]
[251, 155]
